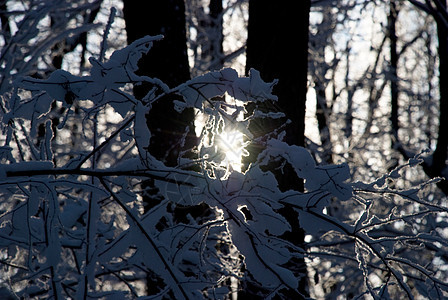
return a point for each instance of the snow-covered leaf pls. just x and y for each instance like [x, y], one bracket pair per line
[329, 178]
[201, 89]
[252, 88]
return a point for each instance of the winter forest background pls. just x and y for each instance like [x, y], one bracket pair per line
[240, 149]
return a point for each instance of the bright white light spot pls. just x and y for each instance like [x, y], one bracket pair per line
[311, 126]
[232, 144]
[308, 238]
[399, 225]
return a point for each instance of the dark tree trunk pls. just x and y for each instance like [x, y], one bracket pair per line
[214, 51]
[4, 19]
[393, 78]
[216, 11]
[392, 19]
[439, 163]
[277, 46]
[168, 61]
[437, 166]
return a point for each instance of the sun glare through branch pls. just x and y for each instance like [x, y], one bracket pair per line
[232, 144]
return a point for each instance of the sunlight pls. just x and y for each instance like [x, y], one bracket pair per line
[231, 143]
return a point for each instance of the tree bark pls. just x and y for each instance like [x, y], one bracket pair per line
[214, 51]
[439, 157]
[168, 61]
[277, 46]
[436, 165]
[4, 20]
[392, 19]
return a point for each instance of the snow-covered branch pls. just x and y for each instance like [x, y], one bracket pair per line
[73, 222]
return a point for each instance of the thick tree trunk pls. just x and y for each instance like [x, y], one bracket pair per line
[168, 61]
[392, 19]
[393, 78]
[4, 20]
[437, 166]
[214, 52]
[277, 46]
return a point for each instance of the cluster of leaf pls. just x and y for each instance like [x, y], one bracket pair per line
[76, 228]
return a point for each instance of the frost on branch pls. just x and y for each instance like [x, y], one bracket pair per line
[73, 223]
